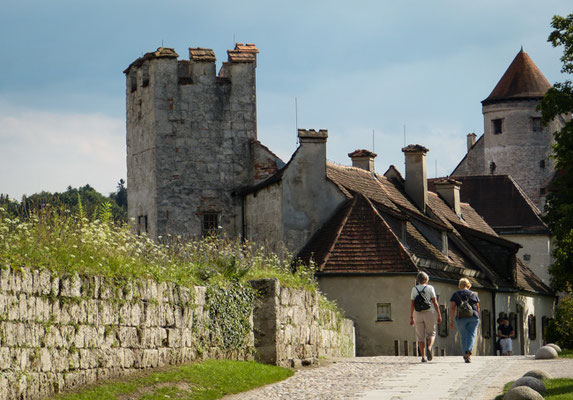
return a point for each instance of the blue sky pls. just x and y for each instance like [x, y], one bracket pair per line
[354, 67]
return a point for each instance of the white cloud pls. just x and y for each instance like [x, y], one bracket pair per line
[42, 150]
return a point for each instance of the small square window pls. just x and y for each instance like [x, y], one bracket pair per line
[542, 191]
[383, 312]
[210, 223]
[542, 164]
[536, 124]
[497, 126]
[526, 257]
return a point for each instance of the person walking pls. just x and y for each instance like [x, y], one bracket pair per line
[505, 332]
[422, 298]
[467, 316]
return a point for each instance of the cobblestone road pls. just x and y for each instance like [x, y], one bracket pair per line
[381, 378]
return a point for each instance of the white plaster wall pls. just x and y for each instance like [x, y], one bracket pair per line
[539, 306]
[309, 198]
[358, 297]
[539, 249]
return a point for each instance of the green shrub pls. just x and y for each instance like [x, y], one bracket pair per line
[563, 323]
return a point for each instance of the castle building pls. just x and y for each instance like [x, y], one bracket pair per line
[195, 166]
[514, 142]
[506, 173]
[192, 140]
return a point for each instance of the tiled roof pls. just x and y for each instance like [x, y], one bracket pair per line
[243, 53]
[357, 240]
[527, 280]
[522, 80]
[201, 55]
[469, 217]
[502, 203]
[352, 180]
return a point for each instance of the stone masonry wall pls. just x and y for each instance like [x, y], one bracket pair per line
[58, 333]
[291, 330]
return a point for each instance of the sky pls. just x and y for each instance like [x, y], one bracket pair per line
[376, 74]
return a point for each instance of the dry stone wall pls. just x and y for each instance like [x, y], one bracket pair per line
[291, 330]
[58, 333]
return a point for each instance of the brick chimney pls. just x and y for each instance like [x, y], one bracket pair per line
[416, 184]
[471, 138]
[449, 190]
[363, 159]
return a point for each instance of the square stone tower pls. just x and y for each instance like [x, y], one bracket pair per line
[190, 135]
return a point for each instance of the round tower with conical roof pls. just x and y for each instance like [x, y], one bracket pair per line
[515, 142]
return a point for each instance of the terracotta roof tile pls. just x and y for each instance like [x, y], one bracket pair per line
[357, 240]
[352, 180]
[527, 280]
[243, 53]
[522, 80]
[200, 54]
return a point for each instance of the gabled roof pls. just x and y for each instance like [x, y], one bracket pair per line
[357, 240]
[529, 282]
[502, 203]
[522, 80]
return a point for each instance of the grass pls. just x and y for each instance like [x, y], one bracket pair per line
[58, 240]
[566, 353]
[202, 381]
[557, 389]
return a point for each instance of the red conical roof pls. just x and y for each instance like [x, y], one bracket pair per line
[522, 80]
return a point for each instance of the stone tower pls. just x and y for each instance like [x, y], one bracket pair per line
[191, 135]
[514, 142]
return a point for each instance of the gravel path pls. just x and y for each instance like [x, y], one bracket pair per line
[396, 378]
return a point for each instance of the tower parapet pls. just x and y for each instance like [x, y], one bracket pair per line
[189, 139]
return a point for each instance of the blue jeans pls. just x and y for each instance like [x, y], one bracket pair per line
[467, 327]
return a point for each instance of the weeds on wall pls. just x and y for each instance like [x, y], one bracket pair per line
[65, 242]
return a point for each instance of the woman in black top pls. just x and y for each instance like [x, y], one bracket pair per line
[467, 326]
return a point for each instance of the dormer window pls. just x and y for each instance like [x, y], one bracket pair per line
[497, 125]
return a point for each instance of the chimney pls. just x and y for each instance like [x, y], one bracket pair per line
[471, 140]
[363, 159]
[416, 184]
[449, 190]
[313, 149]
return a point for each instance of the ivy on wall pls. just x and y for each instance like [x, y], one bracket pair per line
[230, 311]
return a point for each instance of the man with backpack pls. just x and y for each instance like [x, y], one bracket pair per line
[422, 298]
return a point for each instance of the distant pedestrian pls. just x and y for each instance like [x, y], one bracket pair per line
[505, 332]
[422, 298]
[467, 316]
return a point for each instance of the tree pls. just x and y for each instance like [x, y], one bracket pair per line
[558, 103]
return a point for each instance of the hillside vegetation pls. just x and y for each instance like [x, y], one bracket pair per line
[67, 242]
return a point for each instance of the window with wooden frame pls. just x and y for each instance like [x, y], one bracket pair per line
[383, 312]
[513, 323]
[485, 324]
[544, 323]
[210, 223]
[531, 327]
[443, 327]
